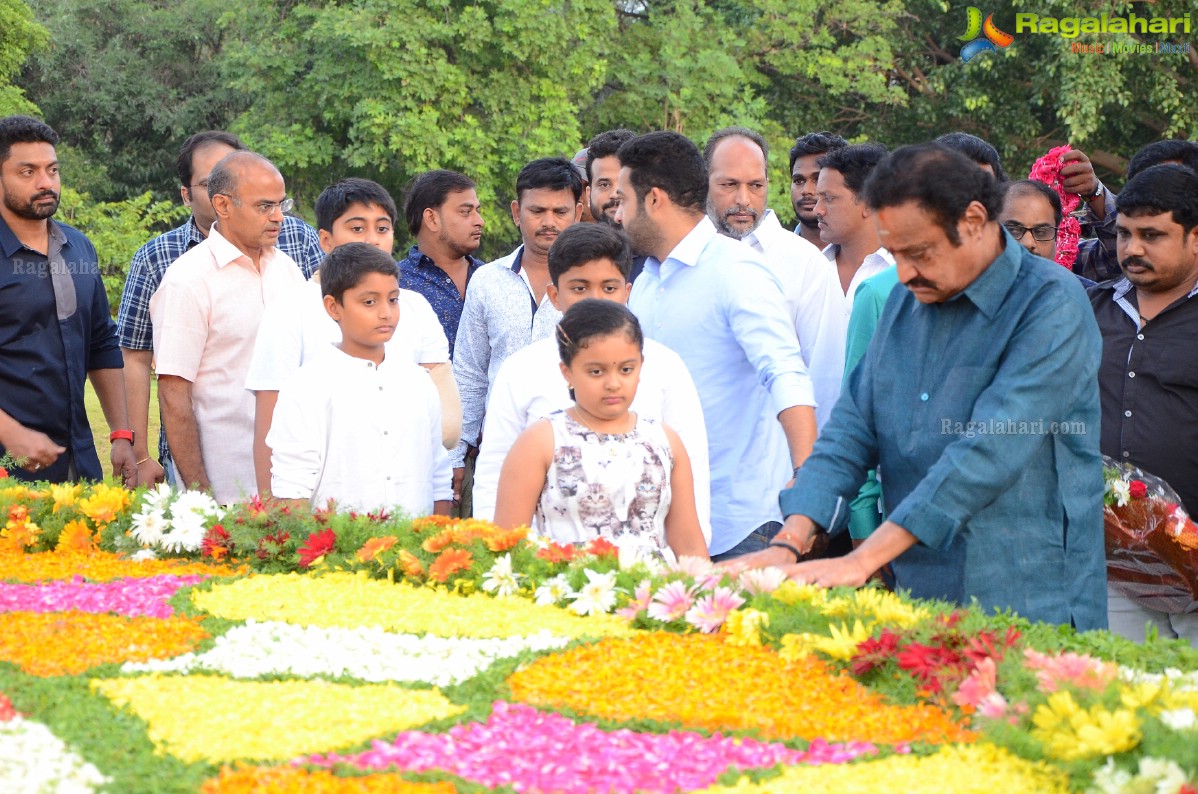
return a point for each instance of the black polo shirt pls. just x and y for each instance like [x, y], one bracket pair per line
[46, 350]
[1148, 382]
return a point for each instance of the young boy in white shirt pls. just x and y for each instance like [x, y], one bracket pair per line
[349, 211]
[357, 424]
[588, 260]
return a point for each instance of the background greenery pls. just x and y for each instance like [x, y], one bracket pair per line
[389, 88]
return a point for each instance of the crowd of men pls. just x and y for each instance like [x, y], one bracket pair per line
[907, 363]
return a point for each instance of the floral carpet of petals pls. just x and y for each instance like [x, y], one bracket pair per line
[684, 678]
[68, 643]
[370, 654]
[253, 780]
[970, 769]
[146, 597]
[542, 752]
[349, 601]
[193, 717]
[98, 567]
[32, 759]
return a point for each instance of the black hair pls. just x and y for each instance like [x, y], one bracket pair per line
[606, 144]
[669, 161]
[549, 173]
[1157, 152]
[346, 265]
[184, 164]
[429, 191]
[594, 317]
[733, 132]
[855, 163]
[223, 177]
[975, 149]
[814, 143]
[586, 242]
[1034, 186]
[1162, 188]
[942, 181]
[335, 199]
[24, 129]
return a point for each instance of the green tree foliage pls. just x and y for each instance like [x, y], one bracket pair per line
[124, 82]
[117, 229]
[19, 36]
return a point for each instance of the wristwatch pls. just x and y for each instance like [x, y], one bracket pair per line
[125, 434]
[1097, 192]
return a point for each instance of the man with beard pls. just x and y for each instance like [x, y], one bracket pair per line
[714, 302]
[804, 170]
[737, 187]
[55, 326]
[603, 170]
[1148, 379]
[443, 215]
[507, 305]
[206, 315]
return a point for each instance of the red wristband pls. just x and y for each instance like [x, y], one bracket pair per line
[125, 434]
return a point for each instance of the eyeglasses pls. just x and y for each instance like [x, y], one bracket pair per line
[203, 183]
[265, 207]
[1039, 233]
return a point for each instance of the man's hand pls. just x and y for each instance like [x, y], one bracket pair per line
[33, 447]
[458, 475]
[1077, 174]
[798, 531]
[775, 556]
[847, 571]
[150, 472]
[124, 463]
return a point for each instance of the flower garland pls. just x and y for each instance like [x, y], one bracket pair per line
[688, 679]
[1047, 169]
[368, 654]
[351, 601]
[190, 717]
[551, 753]
[68, 643]
[129, 597]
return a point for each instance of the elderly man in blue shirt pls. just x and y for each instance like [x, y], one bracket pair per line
[978, 402]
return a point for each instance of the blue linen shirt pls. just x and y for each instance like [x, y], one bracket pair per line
[419, 273]
[135, 331]
[982, 415]
[715, 303]
[45, 358]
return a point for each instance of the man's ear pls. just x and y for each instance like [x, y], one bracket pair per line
[222, 205]
[516, 213]
[326, 240]
[333, 308]
[551, 291]
[973, 220]
[185, 194]
[430, 220]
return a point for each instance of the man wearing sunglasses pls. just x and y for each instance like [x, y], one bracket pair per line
[205, 316]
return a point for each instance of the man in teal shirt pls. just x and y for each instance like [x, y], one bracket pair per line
[978, 403]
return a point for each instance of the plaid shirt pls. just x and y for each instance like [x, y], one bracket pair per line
[134, 331]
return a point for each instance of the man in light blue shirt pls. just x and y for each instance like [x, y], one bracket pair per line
[713, 301]
[977, 400]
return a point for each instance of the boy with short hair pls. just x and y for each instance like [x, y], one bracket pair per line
[587, 261]
[352, 210]
[356, 424]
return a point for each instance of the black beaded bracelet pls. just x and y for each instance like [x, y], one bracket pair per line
[782, 545]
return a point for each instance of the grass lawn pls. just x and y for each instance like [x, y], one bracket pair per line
[100, 430]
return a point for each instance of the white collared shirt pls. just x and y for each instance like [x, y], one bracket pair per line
[294, 330]
[813, 296]
[366, 436]
[872, 265]
[530, 386]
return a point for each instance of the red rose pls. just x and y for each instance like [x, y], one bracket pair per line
[1138, 489]
[318, 545]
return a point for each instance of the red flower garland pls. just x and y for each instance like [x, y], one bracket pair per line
[1048, 170]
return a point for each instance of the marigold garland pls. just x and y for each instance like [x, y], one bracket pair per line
[256, 779]
[98, 567]
[970, 769]
[354, 600]
[191, 717]
[673, 678]
[68, 643]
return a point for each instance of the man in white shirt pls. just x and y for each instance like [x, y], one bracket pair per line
[587, 261]
[846, 223]
[737, 188]
[507, 306]
[206, 314]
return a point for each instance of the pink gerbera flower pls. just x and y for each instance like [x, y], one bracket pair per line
[671, 602]
[641, 598]
[710, 611]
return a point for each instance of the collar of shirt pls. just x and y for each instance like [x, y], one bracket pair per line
[420, 259]
[192, 231]
[690, 247]
[990, 288]
[10, 243]
[225, 253]
[1121, 287]
[765, 236]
